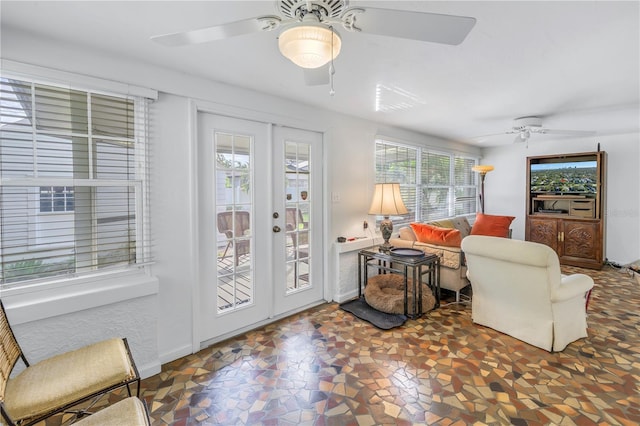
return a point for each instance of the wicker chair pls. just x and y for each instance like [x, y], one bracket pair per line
[61, 382]
[298, 231]
[297, 227]
[235, 225]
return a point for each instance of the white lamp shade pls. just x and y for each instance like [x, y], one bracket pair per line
[309, 45]
[387, 200]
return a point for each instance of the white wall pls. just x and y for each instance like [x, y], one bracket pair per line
[135, 319]
[348, 167]
[505, 186]
[172, 224]
[64, 315]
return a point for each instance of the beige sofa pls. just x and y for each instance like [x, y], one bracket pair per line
[453, 271]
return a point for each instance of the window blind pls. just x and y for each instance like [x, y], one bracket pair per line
[73, 181]
[436, 188]
[397, 164]
[434, 185]
[466, 188]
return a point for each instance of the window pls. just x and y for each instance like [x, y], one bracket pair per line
[73, 181]
[434, 185]
[56, 199]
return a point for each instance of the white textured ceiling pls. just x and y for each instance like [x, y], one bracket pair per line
[574, 63]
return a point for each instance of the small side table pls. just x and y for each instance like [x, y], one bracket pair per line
[428, 265]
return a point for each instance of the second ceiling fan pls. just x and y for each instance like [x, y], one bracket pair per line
[524, 127]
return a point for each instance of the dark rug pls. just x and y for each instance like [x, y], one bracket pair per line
[382, 320]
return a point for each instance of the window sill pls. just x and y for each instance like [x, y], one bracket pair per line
[42, 301]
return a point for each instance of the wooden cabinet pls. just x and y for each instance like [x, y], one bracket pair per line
[577, 242]
[565, 206]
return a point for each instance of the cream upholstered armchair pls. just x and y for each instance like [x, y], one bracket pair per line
[518, 290]
[59, 383]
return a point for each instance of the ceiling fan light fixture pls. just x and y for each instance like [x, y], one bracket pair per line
[309, 45]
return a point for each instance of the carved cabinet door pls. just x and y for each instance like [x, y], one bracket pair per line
[544, 231]
[581, 240]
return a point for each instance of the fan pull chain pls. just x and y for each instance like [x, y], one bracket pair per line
[332, 70]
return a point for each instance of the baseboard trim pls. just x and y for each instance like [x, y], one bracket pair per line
[177, 353]
[238, 332]
[339, 298]
[149, 369]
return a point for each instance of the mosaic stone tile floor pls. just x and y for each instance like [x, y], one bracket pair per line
[326, 367]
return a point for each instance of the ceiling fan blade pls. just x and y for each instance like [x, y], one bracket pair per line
[487, 135]
[317, 76]
[431, 27]
[567, 132]
[219, 32]
[508, 132]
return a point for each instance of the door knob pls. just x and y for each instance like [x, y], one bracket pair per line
[276, 228]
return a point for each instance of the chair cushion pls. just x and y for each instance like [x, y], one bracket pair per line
[461, 224]
[406, 233]
[68, 377]
[450, 257]
[129, 411]
[492, 225]
[430, 234]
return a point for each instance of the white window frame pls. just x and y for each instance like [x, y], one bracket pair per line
[417, 186]
[39, 75]
[66, 197]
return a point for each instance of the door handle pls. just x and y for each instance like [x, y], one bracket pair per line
[276, 229]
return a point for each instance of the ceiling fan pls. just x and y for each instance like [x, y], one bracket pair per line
[308, 37]
[524, 127]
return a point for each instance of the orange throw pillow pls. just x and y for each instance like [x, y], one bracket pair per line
[491, 225]
[430, 234]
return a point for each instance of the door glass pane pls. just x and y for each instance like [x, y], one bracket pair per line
[234, 207]
[298, 202]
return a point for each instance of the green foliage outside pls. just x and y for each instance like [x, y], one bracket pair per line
[238, 168]
[35, 268]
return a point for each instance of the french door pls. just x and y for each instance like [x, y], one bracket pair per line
[259, 221]
[297, 191]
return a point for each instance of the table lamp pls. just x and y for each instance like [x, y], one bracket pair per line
[387, 201]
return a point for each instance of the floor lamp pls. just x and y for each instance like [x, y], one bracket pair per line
[387, 201]
[482, 170]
